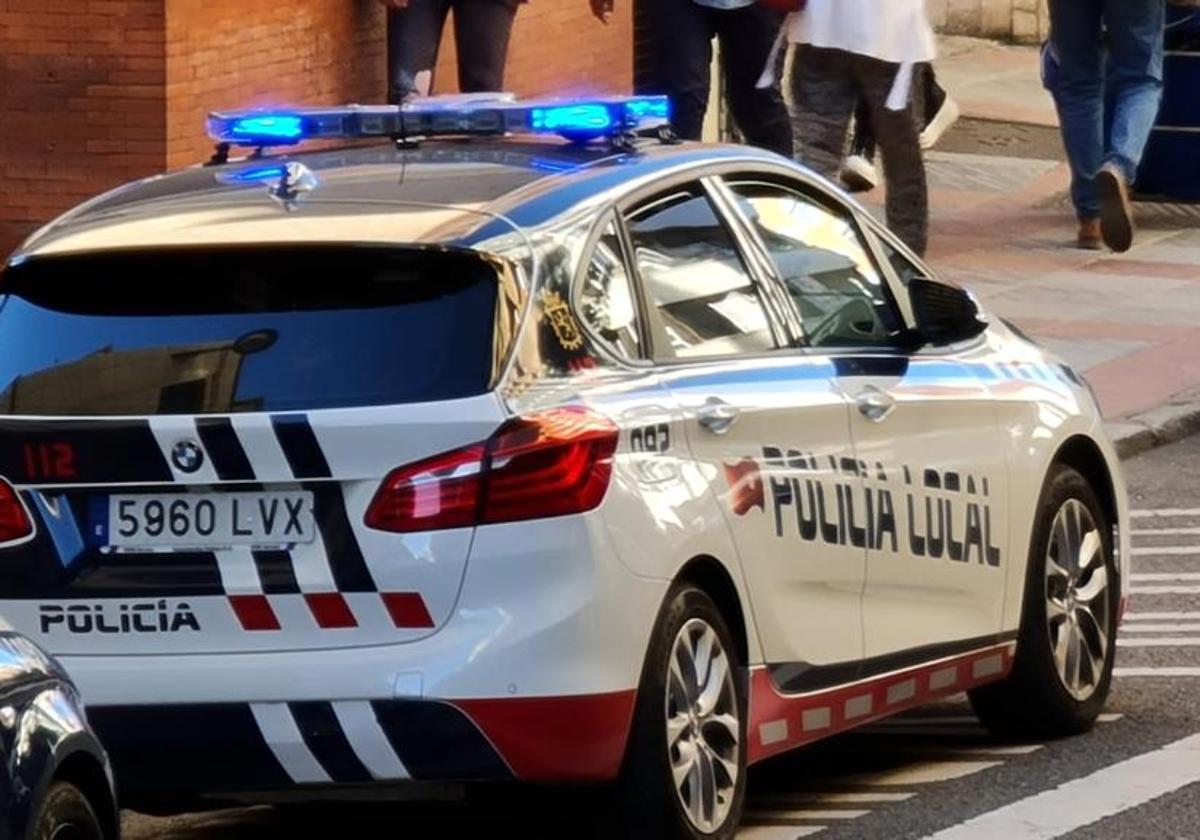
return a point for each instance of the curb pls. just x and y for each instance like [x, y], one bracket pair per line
[1157, 427]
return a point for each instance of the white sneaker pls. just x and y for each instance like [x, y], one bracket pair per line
[858, 174]
[946, 116]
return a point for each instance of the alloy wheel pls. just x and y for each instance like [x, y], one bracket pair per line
[1078, 606]
[703, 726]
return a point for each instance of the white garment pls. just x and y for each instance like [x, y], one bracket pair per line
[896, 31]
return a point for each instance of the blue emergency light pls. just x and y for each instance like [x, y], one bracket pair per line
[437, 116]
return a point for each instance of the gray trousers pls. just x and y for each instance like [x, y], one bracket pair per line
[827, 85]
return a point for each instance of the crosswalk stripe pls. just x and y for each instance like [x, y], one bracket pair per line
[1167, 551]
[1161, 616]
[1175, 532]
[924, 773]
[1164, 671]
[1145, 627]
[1150, 513]
[1164, 590]
[788, 800]
[1160, 641]
[1148, 576]
[778, 832]
[772, 815]
[1087, 800]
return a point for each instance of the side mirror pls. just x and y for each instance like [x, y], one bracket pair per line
[945, 314]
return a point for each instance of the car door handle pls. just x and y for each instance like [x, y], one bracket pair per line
[717, 416]
[874, 404]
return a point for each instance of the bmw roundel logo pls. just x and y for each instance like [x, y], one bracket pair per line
[187, 456]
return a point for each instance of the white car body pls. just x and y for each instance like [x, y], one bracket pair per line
[862, 518]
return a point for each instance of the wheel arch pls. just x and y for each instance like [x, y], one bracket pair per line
[711, 575]
[84, 771]
[1084, 455]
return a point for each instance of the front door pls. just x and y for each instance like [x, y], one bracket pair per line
[767, 426]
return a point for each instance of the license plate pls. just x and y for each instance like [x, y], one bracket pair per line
[206, 521]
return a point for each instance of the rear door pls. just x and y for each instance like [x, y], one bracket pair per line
[765, 424]
[199, 436]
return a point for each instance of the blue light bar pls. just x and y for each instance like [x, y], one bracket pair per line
[436, 116]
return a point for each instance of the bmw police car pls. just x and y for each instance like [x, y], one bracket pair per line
[479, 453]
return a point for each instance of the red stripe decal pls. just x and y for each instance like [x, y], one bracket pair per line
[559, 739]
[254, 612]
[407, 609]
[781, 722]
[330, 610]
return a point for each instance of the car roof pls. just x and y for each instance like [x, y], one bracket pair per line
[438, 192]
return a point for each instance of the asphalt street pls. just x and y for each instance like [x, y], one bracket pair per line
[934, 772]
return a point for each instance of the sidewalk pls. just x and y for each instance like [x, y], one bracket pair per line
[1003, 227]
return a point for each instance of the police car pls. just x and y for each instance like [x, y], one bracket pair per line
[480, 453]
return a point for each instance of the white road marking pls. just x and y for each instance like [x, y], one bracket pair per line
[778, 832]
[1148, 576]
[1175, 532]
[1161, 616]
[1165, 671]
[1087, 800]
[1160, 641]
[983, 749]
[1147, 627]
[283, 736]
[805, 814]
[922, 774]
[1164, 590]
[1110, 717]
[783, 801]
[940, 720]
[1167, 551]
[1150, 513]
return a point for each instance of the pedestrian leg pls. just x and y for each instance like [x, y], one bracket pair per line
[681, 40]
[414, 34]
[825, 95]
[482, 29]
[1135, 64]
[900, 148]
[747, 36]
[1079, 95]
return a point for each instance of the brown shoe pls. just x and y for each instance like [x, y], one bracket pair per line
[1116, 215]
[1089, 234]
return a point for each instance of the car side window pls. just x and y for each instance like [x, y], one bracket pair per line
[605, 301]
[826, 266]
[693, 275]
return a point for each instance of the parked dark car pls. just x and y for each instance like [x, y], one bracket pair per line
[57, 783]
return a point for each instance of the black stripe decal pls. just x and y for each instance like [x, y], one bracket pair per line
[187, 749]
[100, 452]
[324, 736]
[437, 741]
[300, 446]
[276, 572]
[341, 546]
[801, 677]
[221, 441]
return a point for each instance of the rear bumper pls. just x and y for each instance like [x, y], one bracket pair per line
[532, 678]
[234, 749]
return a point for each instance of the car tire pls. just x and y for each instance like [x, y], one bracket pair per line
[708, 735]
[66, 814]
[1068, 620]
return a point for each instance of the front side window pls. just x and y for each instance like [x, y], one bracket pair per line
[694, 276]
[824, 263]
[606, 301]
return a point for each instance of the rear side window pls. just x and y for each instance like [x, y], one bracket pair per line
[247, 329]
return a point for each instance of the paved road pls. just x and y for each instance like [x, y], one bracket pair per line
[931, 772]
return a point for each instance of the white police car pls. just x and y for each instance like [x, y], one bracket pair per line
[509, 457]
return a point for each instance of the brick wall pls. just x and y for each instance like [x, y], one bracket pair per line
[81, 103]
[97, 92]
[1024, 21]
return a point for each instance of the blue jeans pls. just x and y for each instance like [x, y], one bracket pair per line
[1108, 88]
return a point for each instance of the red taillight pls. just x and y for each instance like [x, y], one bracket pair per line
[14, 519]
[547, 464]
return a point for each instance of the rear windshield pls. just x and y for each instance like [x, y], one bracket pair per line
[247, 329]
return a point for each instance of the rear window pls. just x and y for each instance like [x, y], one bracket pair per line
[248, 329]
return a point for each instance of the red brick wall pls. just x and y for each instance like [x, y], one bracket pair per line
[81, 103]
[97, 92]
